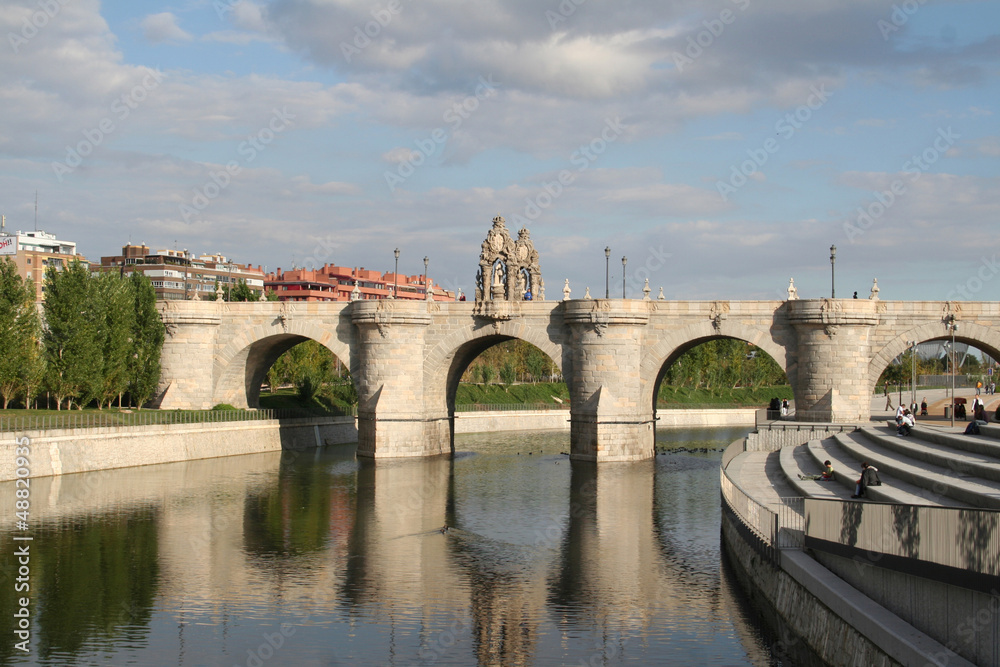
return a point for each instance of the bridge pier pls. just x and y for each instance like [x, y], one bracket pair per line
[187, 361]
[834, 349]
[392, 414]
[608, 419]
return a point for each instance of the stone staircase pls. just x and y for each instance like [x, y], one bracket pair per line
[932, 466]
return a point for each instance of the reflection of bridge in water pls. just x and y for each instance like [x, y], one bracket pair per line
[366, 539]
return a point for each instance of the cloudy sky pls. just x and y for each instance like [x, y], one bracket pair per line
[722, 145]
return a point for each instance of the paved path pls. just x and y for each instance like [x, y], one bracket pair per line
[936, 399]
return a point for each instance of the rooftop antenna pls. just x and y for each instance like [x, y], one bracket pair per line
[3, 223]
[36, 210]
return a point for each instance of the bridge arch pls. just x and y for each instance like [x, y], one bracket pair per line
[985, 338]
[668, 348]
[445, 363]
[240, 366]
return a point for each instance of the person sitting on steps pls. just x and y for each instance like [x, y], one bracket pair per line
[905, 424]
[826, 476]
[869, 477]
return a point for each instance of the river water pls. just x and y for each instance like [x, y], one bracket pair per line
[317, 558]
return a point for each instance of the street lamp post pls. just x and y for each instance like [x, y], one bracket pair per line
[607, 272]
[913, 372]
[624, 262]
[833, 260]
[395, 273]
[425, 274]
[953, 327]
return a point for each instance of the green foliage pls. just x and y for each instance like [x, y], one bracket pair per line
[241, 292]
[724, 363]
[21, 364]
[148, 334]
[536, 392]
[507, 373]
[686, 397]
[75, 328]
[529, 363]
[485, 373]
[118, 333]
[317, 375]
[223, 406]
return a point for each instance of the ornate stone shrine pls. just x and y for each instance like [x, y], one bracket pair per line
[508, 269]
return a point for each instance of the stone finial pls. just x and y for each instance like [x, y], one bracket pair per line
[874, 294]
[587, 295]
[566, 290]
[646, 291]
[355, 293]
[428, 291]
[660, 296]
[218, 293]
[793, 293]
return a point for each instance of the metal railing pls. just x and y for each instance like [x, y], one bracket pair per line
[69, 420]
[503, 407]
[767, 531]
[791, 523]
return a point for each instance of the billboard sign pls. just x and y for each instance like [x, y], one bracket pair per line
[8, 245]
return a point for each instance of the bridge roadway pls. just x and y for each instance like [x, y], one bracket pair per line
[406, 357]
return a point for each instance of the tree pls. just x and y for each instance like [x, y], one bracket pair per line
[507, 373]
[20, 334]
[241, 292]
[74, 324]
[148, 334]
[119, 334]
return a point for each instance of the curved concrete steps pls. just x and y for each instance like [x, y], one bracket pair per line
[846, 454]
[935, 484]
[944, 450]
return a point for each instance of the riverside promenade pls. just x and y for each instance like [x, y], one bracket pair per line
[906, 576]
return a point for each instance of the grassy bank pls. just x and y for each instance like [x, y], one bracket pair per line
[468, 394]
[753, 397]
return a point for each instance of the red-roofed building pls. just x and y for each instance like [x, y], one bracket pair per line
[335, 283]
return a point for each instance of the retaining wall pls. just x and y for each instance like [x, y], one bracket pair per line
[772, 437]
[60, 452]
[539, 420]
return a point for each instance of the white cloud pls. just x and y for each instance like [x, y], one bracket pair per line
[162, 27]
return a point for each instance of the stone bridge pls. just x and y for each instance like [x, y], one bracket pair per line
[406, 357]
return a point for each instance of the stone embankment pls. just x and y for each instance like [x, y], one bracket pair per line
[909, 574]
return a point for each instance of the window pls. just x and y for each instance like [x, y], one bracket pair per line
[29, 260]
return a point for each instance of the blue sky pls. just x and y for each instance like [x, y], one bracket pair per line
[721, 145]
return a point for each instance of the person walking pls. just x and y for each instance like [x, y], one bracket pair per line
[888, 399]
